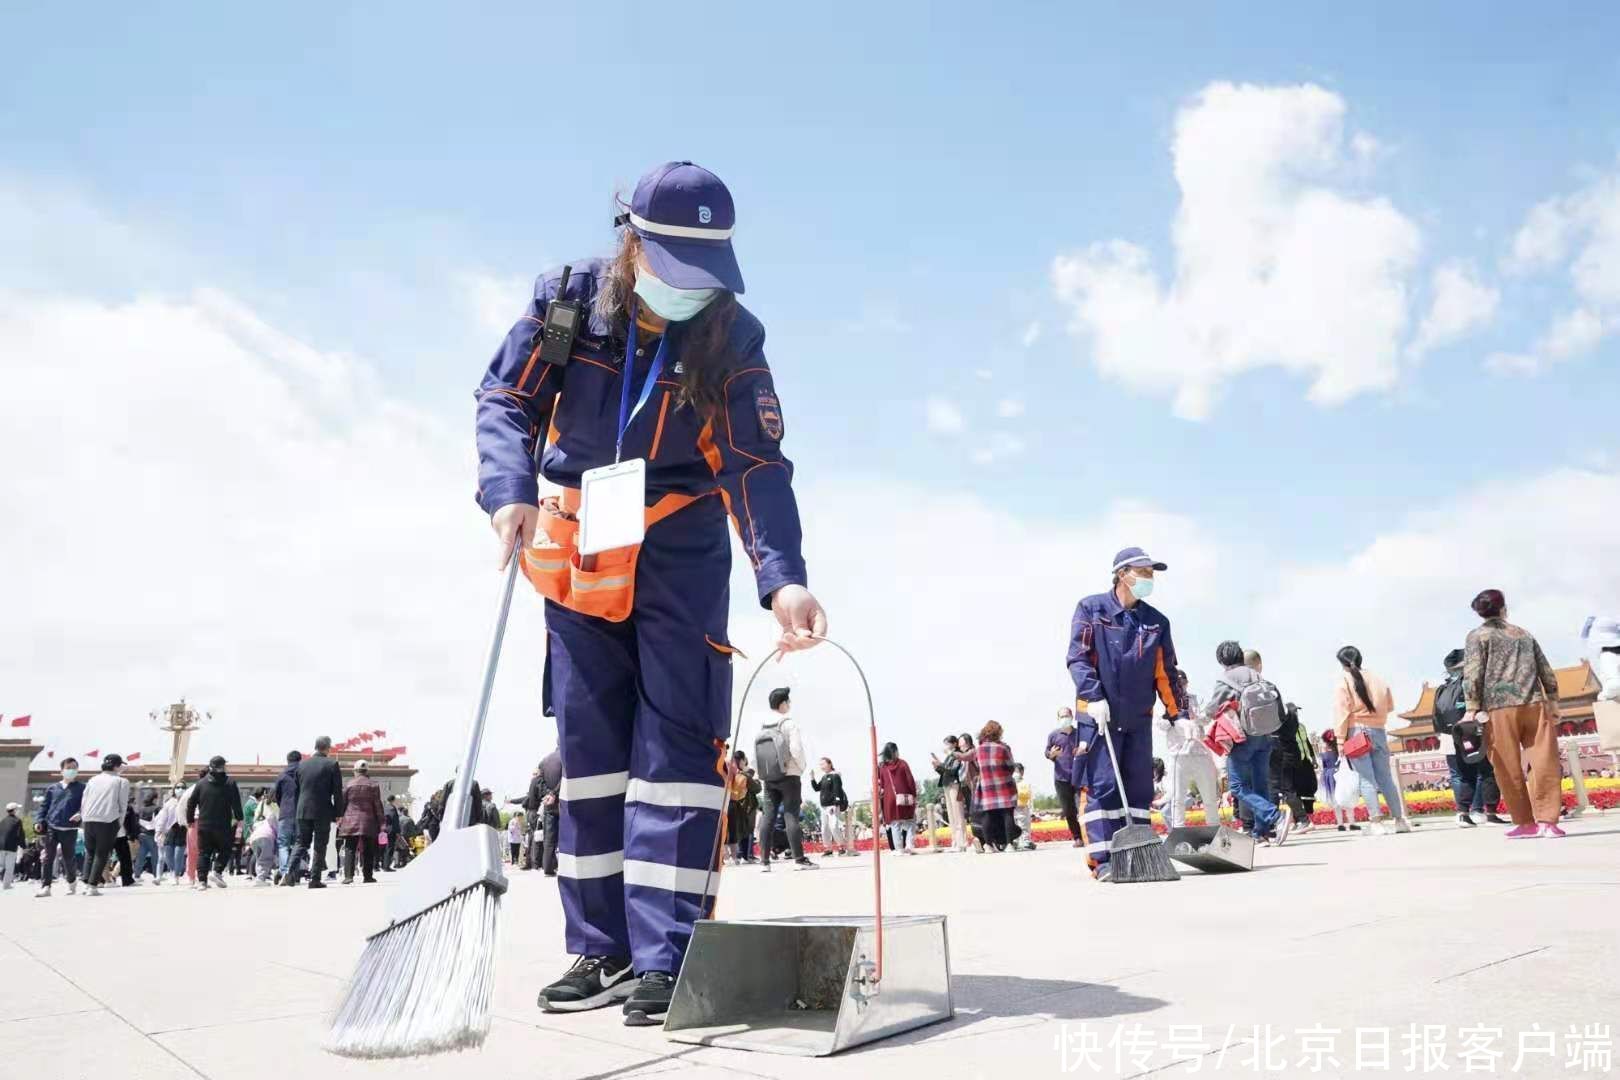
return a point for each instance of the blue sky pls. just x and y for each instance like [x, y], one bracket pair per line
[906, 175]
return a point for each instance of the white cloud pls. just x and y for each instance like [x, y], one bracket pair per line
[1000, 447]
[1580, 234]
[944, 417]
[1009, 408]
[1460, 305]
[1032, 334]
[494, 301]
[217, 510]
[1275, 266]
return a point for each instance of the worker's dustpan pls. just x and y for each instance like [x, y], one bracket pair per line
[806, 985]
[1214, 849]
[812, 985]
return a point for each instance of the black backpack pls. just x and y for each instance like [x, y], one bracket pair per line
[1449, 706]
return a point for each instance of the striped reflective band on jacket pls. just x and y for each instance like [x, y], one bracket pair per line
[600, 786]
[581, 585]
[902, 799]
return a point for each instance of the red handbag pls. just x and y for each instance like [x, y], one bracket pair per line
[1358, 745]
[1224, 731]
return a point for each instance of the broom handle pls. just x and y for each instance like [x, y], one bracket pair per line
[1119, 778]
[456, 812]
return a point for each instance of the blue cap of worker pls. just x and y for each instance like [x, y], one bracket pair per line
[685, 217]
[1135, 557]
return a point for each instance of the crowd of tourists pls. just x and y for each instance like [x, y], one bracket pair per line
[203, 832]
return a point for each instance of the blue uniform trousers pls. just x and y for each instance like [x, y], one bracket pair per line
[642, 709]
[1102, 812]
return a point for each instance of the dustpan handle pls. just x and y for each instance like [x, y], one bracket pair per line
[877, 802]
[456, 813]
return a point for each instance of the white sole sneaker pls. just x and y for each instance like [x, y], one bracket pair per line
[619, 991]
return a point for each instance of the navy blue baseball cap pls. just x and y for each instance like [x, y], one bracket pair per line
[1136, 557]
[685, 217]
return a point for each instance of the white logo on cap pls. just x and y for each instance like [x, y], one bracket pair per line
[704, 216]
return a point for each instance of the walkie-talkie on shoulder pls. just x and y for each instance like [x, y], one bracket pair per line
[561, 326]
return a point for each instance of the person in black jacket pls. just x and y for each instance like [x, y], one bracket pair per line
[215, 806]
[1284, 766]
[320, 802]
[391, 827]
[11, 841]
[834, 807]
[286, 799]
[550, 809]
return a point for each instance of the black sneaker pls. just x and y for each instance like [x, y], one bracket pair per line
[593, 981]
[1497, 819]
[804, 862]
[647, 1006]
[1466, 822]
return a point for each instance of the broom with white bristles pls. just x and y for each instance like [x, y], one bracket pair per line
[424, 983]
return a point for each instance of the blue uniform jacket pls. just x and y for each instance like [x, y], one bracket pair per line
[59, 806]
[573, 411]
[1123, 656]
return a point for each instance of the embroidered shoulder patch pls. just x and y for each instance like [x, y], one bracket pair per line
[770, 413]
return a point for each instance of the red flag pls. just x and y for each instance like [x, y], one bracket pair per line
[367, 737]
[50, 753]
[93, 753]
[380, 733]
[22, 721]
[133, 758]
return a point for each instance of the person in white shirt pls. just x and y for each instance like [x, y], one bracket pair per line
[780, 758]
[1603, 634]
[1188, 761]
[106, 798]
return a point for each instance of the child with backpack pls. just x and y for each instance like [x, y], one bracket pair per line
[1254, 709]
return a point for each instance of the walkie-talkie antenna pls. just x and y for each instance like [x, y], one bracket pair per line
[562, 286]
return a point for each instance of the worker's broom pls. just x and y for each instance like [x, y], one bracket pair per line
[425, 982]
[1135, 853]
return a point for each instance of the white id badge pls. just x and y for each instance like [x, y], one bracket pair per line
[612, 506]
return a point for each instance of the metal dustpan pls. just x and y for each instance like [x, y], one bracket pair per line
[808, 985]
[1211, 848]
[812, 985]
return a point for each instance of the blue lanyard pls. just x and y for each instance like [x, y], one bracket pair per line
[626, 413]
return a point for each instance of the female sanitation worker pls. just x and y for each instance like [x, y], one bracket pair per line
[642, 695]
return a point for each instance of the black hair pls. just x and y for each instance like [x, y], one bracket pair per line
[953, 741]
[68, 759]
[739, 757]
[966, 741]
[294, 757]
[1489, 604]
[1158, 768]
[1229, 654]
[1350, 659]
[778, 696]
[890, 751]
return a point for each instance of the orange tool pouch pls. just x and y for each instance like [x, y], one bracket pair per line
[603, 585]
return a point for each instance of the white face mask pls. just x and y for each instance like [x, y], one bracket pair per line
[70, 775]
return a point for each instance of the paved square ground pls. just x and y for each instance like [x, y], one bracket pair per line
[1055, 975]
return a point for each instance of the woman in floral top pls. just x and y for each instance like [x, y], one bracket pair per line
[1511, 689]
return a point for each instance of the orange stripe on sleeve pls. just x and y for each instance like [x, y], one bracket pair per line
[1167, 693]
